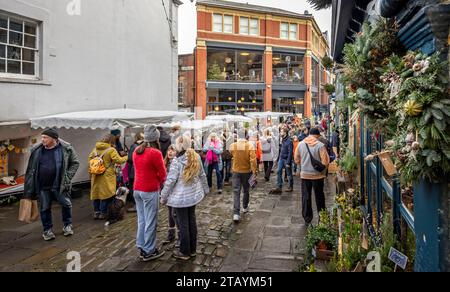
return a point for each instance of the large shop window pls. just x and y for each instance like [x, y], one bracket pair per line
[314, 73]
[289, 105]
[234, 101]
[18, 47]
[315, 103]
[235, 65]
[287, 68]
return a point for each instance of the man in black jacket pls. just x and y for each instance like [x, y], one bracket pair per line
[164, 141]
[51, 167]
[285, 162]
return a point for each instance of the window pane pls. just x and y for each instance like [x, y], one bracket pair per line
[2, 66]
[28, 68]
[293, 35]
[3, 36]
[228, 28]
[293, 32]
[30, 28]
[217, 20]
[15, 38]
[14, 67]
[28, 55]
[14, 53]
[15, 25]
[3, 22]
[284, 30]
[228, 23]
[293, 28]
[217, 27]
[243, 25]
[2, 51]
[30, 41]
[228, 19]
[254, 26]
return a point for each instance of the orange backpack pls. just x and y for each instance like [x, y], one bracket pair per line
[96, 164]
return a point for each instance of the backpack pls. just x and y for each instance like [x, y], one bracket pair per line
[96, 164]
[267, 147]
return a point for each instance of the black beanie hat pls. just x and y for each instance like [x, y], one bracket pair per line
[314, 131]
[51, 133]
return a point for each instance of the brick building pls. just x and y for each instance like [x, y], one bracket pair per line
[256, 58]
[186, 80]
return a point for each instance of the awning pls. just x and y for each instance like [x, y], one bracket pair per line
[265, 115]
[230, 118]
[108, 119]
[198, 125]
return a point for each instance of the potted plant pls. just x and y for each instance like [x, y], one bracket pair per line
[347, 165]
[321, 239]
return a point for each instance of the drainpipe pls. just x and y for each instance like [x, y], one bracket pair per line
[390, 8]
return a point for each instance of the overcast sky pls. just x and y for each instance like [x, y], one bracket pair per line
[187, 18]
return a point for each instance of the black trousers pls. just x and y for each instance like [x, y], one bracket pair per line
[188, 230]
[268, 165]
[307, 186]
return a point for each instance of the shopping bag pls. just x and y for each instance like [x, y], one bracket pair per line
[253, 182]
[28, 211]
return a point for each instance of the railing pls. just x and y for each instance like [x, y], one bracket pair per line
[380, 184]
[288, 80]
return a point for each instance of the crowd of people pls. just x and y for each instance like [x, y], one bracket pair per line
[170, 169]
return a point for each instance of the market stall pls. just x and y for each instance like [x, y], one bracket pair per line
[82, 130]
[233, 121]
[268, 118]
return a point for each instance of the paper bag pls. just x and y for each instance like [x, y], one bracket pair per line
[28, 211]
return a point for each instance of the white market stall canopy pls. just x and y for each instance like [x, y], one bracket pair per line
[230, 118]
[197, 125]
[108, 119]
[264, 115]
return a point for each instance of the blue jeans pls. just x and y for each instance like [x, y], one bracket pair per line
[147, 212]
[282, 164]
[211, 167]
[46, 198]
[101, 206]
[240, 181]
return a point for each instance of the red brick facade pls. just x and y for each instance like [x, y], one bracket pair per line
[309, 40]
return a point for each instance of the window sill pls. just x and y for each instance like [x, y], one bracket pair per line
[24, 81]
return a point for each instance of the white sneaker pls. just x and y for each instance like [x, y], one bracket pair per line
[68, 230]
[236, 218]
[246, 210]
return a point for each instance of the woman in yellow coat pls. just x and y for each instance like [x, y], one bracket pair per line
[103, 186]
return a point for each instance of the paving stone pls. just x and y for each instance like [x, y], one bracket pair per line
[276, 244]
[274, 264]
[44, 255]
[15, 255]
[221, 252]
[236, 261]
[209, 249]
[199, 259]
[280, 221]
[216, 262]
